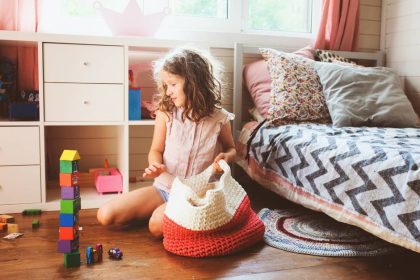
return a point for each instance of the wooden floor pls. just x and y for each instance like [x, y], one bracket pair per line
[34, 255]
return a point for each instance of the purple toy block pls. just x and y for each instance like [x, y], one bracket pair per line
[68, 246]
[70, 192]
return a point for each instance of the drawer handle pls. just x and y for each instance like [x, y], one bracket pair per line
[86, 63]
[86, 102]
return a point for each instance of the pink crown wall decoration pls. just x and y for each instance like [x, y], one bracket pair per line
[132, 21]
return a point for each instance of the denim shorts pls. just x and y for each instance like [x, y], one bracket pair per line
[163, 194]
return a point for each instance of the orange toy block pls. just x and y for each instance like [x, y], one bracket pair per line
[3, 226]
[69, 179]
[68, 233]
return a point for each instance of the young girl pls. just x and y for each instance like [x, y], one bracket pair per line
[191, 132]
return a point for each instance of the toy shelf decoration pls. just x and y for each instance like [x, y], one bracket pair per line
[70, 205]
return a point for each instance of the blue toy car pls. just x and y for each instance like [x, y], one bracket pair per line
[115, 253]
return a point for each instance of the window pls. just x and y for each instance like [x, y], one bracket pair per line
[273, 17]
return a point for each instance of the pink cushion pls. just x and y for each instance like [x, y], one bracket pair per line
[258, 81]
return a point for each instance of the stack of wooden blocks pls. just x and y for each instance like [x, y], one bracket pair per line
[70, 205]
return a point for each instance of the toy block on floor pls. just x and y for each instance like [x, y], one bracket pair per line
[3, 226]
[70, 206]
[70, 192]
[72, 259]
[35, 224]
[68, 233]
[12, 228]
[6, 219]
[69, 220]
[68, 246]
[69, 179]
[31, 212]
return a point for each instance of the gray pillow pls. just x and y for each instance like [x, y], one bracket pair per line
[365, 96]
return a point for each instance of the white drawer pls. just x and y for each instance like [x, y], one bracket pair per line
[84, 102]
[83, 63]
[19, 145]
[20, 184]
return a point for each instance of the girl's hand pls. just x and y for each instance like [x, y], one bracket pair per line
[216, 166]
[154, 170]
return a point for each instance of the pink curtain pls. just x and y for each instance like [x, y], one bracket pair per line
[21, 15]
[339, 27]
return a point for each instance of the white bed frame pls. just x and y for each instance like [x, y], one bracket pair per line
[239, 52]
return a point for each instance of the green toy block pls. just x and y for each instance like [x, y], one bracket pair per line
[70, 206]
[72, 259]
[35, 224]
[67, 166]
[31, 212]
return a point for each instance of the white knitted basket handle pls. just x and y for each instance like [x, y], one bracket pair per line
[197, 205]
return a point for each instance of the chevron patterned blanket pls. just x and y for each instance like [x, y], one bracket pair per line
[368, 177]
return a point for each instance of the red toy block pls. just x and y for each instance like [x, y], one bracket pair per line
[68, 233]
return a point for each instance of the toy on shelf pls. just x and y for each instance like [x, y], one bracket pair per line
[107, 179]
[70, 205]
[115, 253]
[108, 183]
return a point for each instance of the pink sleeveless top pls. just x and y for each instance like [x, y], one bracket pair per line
[190, 147]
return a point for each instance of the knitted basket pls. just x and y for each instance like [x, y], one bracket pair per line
[209, 219]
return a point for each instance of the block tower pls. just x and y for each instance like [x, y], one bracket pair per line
[70, 205]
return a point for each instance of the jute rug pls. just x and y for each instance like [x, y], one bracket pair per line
[309, 232]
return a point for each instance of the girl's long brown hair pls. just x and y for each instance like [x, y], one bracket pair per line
[201, 87]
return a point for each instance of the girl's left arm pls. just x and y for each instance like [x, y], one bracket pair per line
[226, 138]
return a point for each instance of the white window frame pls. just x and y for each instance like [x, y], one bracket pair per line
[218, 30]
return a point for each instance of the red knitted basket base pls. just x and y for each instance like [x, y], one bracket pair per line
[244, 230]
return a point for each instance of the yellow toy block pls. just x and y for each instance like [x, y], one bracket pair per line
[12, 228]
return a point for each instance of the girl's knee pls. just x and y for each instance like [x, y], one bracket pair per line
[155, 226]
[105, 216]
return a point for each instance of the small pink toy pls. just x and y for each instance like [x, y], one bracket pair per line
[108, 180]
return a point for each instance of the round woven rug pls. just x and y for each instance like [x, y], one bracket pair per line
[308, 232]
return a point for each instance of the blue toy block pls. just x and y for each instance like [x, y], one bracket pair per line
[68, 220]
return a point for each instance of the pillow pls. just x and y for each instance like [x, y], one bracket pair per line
[365, 96]
[326, 56]
[258, 81]
[296, 93]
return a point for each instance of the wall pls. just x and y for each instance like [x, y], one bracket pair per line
[402, 44]
[370, 25]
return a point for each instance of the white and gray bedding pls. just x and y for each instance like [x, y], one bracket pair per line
[365, 176]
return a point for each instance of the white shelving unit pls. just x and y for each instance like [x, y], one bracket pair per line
[83, 89]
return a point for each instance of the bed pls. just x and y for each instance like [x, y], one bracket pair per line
[364, 175]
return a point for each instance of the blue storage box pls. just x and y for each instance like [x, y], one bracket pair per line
[134, 104]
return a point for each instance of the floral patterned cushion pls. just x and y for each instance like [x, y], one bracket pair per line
[296, 92]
